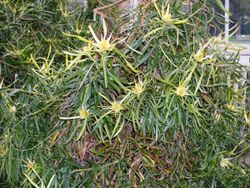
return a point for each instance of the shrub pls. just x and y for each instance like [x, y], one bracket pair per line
[154, 105]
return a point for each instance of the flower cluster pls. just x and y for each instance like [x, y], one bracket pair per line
[104, 43]
[166, 16]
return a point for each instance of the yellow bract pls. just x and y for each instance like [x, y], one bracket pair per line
[102, 44]
[116, 107]
[181, 91]
[30, 165]
[84, 113]
[138, 89]
[225, 162]
[218, 40]
[231, 107]
[12, 109]
[199, 56]
[247, 118]
[167, 18]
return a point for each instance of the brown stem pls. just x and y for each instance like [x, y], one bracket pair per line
[100, 9]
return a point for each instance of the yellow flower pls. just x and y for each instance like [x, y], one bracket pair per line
[225, 162]
[84, 114]
[181, 91]
[167, 16]
[199, 56]
[116, 107]
[64, 10]
[247, 118]
[218, 40]
[30, 165]
[138, 89]
[12, 109]
[102, 44]
[231, 107]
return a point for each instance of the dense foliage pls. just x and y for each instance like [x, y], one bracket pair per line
[151, 105]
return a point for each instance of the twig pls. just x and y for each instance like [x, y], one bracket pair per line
[100, 9]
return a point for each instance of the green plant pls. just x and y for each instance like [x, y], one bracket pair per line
[153, 106]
